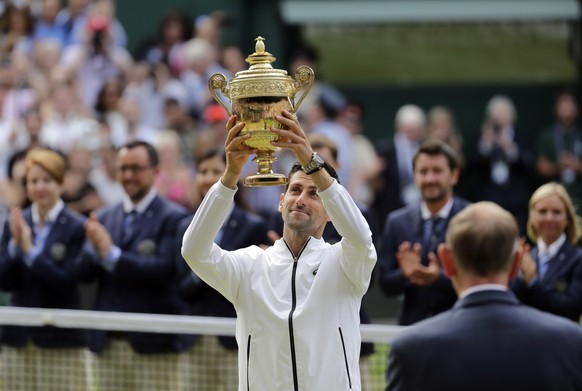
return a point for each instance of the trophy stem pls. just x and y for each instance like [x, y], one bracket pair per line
[265, 176]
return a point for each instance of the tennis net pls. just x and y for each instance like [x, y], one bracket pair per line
[22, 368]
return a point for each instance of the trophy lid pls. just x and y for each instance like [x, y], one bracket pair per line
[261, 79]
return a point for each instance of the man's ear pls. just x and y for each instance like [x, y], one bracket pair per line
[446, 258]
[280, 208]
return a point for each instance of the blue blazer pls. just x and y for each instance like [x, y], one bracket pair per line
[406, 224]
[145, 278]
[242, 229]
[488, 341]
[51, 282]
[560, 291]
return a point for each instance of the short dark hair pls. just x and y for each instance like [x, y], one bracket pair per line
[298, 167]
[319, 141]
[211, 153]
[151, 150]
[433, 147]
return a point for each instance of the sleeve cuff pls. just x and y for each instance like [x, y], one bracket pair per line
[110, 261]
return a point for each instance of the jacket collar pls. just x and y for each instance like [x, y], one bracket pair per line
[487, 297]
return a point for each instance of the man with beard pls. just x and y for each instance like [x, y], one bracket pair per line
[298, 301]
[408, 260]
[131, 255]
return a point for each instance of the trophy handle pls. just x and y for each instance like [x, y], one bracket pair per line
[303, 75]
[218, 81]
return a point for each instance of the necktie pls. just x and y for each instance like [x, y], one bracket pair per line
[431, 234]
[129, 224]
[543, 264]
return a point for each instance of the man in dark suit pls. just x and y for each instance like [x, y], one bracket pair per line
[395, 182]
[131, 253]
[488, 341]
[408, 261]
[212, 362]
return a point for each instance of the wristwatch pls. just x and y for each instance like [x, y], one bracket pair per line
[315, 164]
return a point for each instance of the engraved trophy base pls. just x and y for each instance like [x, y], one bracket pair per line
[265, 180]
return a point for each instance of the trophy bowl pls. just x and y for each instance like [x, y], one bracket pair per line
[256, 96]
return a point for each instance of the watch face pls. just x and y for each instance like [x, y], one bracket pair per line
[315, 164]
[318, 159]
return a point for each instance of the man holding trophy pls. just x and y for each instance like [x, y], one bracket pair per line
[298, 301]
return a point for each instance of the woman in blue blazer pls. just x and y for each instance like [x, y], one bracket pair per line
[551, 272]
[38, 247]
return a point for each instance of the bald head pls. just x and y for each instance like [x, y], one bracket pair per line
[483, 239]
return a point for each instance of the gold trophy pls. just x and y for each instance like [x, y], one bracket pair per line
[257, 95]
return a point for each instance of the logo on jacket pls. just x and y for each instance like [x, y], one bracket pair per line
[58, 251]
[146, 247]
[561, 286]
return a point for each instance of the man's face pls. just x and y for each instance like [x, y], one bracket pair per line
[135, 172]
[434, 178]
[300, 206]
[209, 172]
[566, 109]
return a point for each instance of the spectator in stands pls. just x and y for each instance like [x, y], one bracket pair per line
[16, 26]
[131, 254]
[365, 164]
[85, 14]
[488, 341]
[39, 247]
[103, 177]
[394, 186]
[78, 192]
[107, 108]
[503, 161]
[297, 302]
[150, 86]
[48, 26]
[64, 122]
[551, 273]
[175, 29]
[200, 62]
[441, 126]
[559, 147]
[96, 59]
[176, 177]
[233, 60]
[72, 17]
[212, 363]
[408, 259]
[129, 109]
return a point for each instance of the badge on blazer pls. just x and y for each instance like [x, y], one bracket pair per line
[58, 251]
[561, 286]
[146, 247]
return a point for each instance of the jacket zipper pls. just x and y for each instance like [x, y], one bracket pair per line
[248, 362]
[345, 357]
[293, 305]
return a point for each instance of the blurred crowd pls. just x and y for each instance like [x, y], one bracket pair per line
[69, 84]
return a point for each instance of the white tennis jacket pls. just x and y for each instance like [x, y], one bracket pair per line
[297, 323]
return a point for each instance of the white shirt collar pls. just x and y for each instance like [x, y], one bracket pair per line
[443, 212]
[141, 206]
[52, 214]
[552, 249]
[482, 287]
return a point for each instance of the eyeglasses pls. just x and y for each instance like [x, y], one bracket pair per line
[134, 169]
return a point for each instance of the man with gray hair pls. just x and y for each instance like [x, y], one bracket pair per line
[396, 180]
[492, 342]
